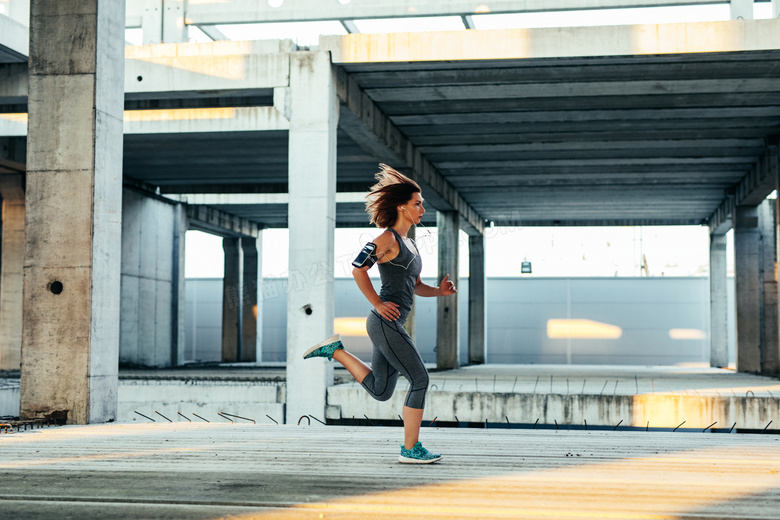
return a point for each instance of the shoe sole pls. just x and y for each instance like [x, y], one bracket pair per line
[408, 460]
[332, 339]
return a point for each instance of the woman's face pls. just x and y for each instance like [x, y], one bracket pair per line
[413, 210]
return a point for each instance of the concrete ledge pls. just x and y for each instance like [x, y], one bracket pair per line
[621, 40]
[250, 399]
[660, 397]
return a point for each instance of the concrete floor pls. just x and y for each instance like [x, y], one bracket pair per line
[210, 471]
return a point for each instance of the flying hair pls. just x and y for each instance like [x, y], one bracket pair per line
[392, 189]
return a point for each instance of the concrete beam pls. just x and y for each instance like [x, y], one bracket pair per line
[367, 125]
[207, 67]
[252, 11]
[751, 190]
[226, 199]
[622, 40]
[195, 120]
[220, 223]
[213, 33]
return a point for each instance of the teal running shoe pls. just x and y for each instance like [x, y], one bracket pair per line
[417, 455]
[325, 348]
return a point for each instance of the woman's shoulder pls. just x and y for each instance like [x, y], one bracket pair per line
[385, 238]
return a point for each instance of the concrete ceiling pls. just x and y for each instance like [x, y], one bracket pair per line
[623, 140]
[641, 139]
[634, 125]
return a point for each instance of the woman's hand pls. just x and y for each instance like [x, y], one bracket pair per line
[388, 310]
[446, 287]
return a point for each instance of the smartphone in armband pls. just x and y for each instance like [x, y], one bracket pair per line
[367, 256]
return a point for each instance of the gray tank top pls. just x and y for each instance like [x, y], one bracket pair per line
[398, 281]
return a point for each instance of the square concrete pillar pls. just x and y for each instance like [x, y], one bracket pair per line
[447, 330]
[719, 355]
[477, 308]
[410, 325]
[312, 219]
[178, 281]
[12, 191]
[747, 258]
[741, 9]
[73, 203]
[770, 340]
[232, 285]
[249, 310]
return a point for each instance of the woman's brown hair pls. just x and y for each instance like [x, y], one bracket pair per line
[392, 189]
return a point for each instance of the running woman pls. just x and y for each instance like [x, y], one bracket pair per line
[395, 203]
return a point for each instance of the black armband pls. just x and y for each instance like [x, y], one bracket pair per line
[367, 256]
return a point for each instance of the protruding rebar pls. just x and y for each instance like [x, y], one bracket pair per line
[537, 420]
[313, 417]
[239, 417]
[678, 426]
[201, 418]
[537, 382]
[603, 387]
[161, 415]
[302, 418]
[732, 427]
[142, 415]
[767, 426]
[507, 422]
[226, 417]
[274, 420]
[710, 426]
[433, 421]
[618, 424]
[190, 420]
[513, 386]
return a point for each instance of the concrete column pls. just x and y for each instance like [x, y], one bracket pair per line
[178, 281]
[312, 217]
[477, 314]
[719, 355]
[747, 248]
[770, 340]
[411, 320]
[742, 9]
[73, 205]
[249, 300]
[259, 312]
[12, 191]
[447, 350]
[174, 30]
[231, 300]
[152, 22]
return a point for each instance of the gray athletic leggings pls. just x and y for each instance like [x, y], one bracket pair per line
[394, 352]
